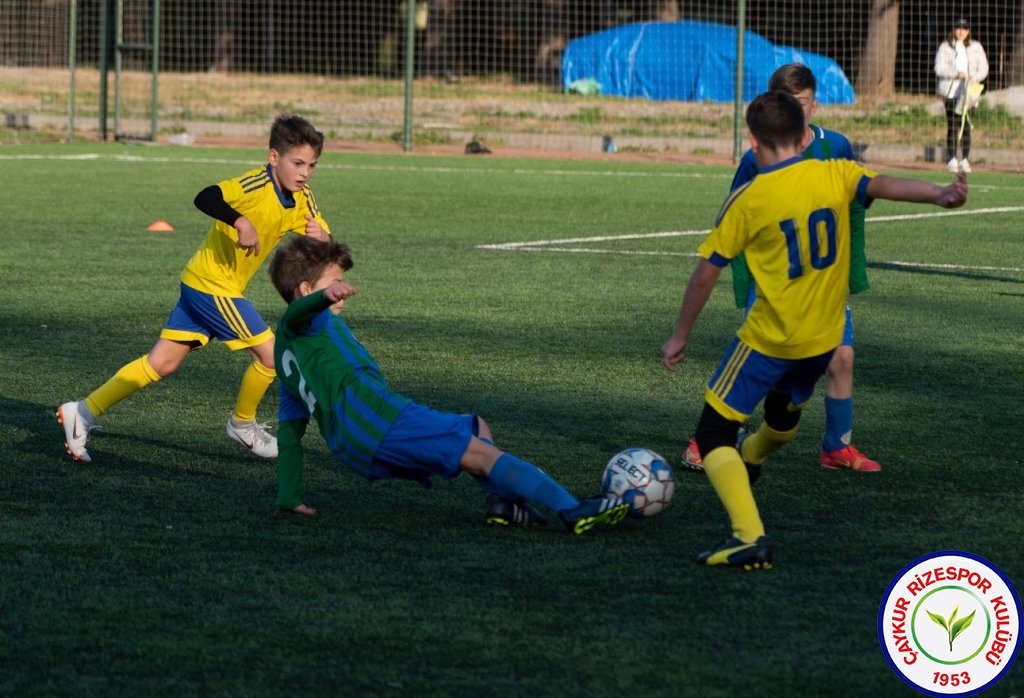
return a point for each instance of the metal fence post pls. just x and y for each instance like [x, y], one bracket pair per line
[737, 118]
[72, 65]
[410, 68]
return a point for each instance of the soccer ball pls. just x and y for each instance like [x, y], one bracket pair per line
[642, 478]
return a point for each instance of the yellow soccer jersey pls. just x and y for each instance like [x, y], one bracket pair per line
[792, 222]
[219, 267]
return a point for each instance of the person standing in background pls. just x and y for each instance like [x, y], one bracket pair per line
[959, 63]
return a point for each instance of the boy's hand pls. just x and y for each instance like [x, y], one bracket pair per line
[954, 195]
[339, 291]
[248, 240]
[673, 352]
[304, 510]
[314, 229]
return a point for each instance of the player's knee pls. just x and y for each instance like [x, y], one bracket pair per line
[842, 361]
[167, 354]
[479, 457]
[779, 411]
[264, 353]
[164, 365]
[714, 430]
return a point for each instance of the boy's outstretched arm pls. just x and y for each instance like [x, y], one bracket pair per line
[698, 290]
[917, 191]
[289, 467]
[301, 311]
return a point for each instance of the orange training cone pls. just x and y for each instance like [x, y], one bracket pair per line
[161, 227]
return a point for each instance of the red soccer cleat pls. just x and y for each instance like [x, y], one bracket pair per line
[849, 458]
[691, 458]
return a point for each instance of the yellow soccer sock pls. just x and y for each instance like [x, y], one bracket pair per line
[728, 476]
[132, 378]
[255, 382]
[764, 442]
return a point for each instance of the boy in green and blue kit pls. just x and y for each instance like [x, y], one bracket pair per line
[327, 374]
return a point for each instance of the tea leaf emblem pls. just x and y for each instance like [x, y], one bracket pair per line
[952, 625]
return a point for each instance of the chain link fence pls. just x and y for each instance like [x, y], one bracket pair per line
[495, 71]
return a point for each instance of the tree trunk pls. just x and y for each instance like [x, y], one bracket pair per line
[551, 40]
[668, 11]
[224, 45]
[877, 74]
[1015, 74]
[437, 41]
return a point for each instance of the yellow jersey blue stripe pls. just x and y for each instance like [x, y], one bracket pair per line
[219, 267]
[787, 223]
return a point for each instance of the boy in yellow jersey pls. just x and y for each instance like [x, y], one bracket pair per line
[837, 449]
[791, 223]
[251, 213]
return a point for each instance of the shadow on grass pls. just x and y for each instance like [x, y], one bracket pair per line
[45, 436]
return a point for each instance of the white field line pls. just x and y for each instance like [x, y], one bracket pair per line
[599, 238]
[554, 245]
[943, 214]
[547, 245]
[431, 169]
[590, 250]
[957, 267]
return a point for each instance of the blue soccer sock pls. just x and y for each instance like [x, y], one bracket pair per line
[512, 477]
[838, 423]
[490, 488]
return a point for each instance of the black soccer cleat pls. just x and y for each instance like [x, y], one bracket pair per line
[736, 553]
[507, 512]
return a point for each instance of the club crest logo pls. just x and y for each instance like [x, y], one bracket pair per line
[949, 624]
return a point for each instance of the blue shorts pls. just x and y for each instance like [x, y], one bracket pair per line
[745, 376]
[847, 329]
[199, 316]
[424, 442]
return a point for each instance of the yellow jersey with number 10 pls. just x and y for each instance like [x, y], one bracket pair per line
[219, 267]
[792, 222]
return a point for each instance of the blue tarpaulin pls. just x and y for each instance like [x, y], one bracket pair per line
[690, 61]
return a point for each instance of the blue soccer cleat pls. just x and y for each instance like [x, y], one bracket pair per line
[596, 511]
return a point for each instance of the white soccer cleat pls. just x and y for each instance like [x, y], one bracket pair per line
[965, 166]
[254, 436]
[953, 165]
[78, 423]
